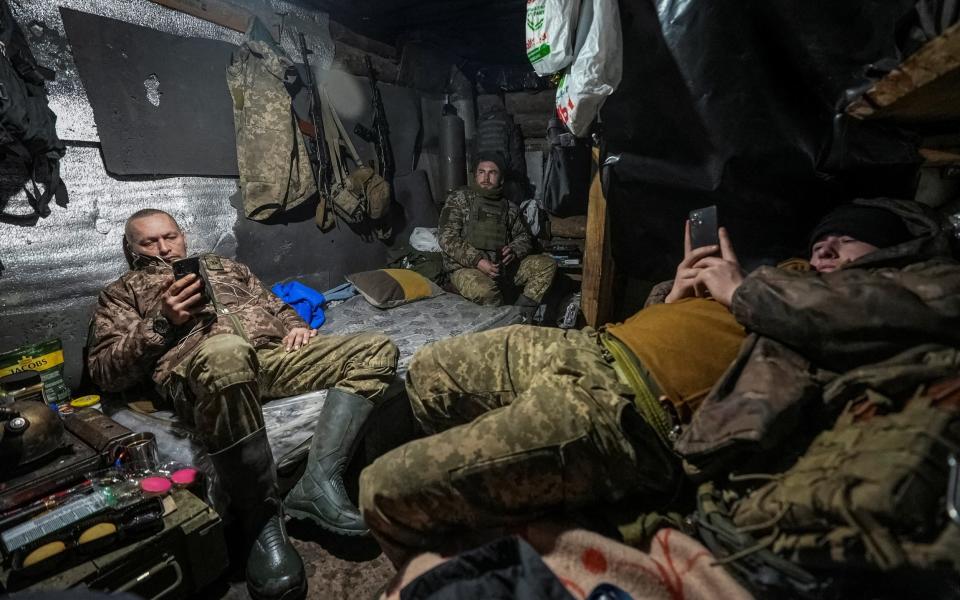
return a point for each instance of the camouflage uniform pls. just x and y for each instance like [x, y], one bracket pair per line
[533, 272]
[526, 419]
[275, 172]
[217, 367]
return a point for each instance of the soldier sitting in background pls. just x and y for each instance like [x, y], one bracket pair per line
[216, 349]
[486, 244]
[528, 420]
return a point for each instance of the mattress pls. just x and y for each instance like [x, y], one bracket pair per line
[290, 421]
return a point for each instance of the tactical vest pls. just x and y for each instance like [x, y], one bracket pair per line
[486, 226]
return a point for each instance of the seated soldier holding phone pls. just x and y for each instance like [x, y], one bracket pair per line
[526, 420]
[216, 343]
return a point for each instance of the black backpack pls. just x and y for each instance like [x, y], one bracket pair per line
[28, 132]
[567, 175]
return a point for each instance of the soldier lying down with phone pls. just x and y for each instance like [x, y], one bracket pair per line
[526, 420]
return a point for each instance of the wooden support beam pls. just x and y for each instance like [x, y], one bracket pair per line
[542, 102]
[596, 298]
[218, 12]
[925, 88]
[569, 227]
[353, 61]
[349, 48]
[531, 125]
[939, 158]
[342, 33]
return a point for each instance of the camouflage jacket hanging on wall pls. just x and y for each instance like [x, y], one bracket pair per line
[275, 170]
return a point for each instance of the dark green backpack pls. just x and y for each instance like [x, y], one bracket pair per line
[428, 264]
[28, 132]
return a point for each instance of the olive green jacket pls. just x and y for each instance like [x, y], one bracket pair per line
[886, 322]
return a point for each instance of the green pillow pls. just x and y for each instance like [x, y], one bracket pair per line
[386, 288]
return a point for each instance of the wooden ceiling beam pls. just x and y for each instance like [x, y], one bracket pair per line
[925, 88]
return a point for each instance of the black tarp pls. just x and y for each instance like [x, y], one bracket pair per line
[740, 104]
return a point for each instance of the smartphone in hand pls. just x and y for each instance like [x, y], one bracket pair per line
[185, 266]
[703, 227]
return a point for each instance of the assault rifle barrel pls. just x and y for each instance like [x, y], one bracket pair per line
[380, 127]
[320, 151]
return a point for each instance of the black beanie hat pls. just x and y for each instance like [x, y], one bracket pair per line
[494, 157]
[869, 224]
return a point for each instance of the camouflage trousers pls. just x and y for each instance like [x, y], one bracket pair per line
[534, 274]
[219, 389]
[525, 420]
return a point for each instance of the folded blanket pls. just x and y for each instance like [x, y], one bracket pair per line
[676, 567]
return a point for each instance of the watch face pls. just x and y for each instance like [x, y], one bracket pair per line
[161, 326]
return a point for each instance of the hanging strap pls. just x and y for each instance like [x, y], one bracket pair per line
[336, 139]
[646, 393]
[40, 168]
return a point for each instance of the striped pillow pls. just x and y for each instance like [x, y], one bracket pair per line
[386, 288]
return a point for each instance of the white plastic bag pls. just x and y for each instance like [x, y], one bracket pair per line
[535, 216]
[597, 65]
[424, 239]
[551, 25]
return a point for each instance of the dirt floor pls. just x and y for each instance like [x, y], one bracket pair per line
[337, 567]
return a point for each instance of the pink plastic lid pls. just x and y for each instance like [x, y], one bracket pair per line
[155, 485]
[184, 476]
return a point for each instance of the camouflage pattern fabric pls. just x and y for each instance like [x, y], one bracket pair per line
[457, 253]
[525, 420]
[219, 389]
[123, 348]
[533, 274]
[807, 328]
[275, 171]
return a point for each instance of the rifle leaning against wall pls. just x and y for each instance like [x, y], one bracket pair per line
[378, 133]
[314, 130]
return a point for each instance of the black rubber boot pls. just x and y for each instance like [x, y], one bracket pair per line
[248, 475]
[528, 307]
[320, 495]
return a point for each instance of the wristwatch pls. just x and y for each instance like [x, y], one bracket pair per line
[162, 326]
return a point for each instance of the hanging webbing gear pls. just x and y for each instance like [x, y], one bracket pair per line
[28, 132]
[357, 195]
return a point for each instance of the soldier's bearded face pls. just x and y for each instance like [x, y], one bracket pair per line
[157, 235]
[487, 175]
[834, 251]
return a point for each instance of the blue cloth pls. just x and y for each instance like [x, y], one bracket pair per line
[307, 301]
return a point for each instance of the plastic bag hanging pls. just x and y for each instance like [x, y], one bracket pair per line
[551, 26]
[597, 66]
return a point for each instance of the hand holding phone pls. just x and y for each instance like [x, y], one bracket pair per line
[184, 266]
[701, 239]
[703, 227]
[182, 300]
